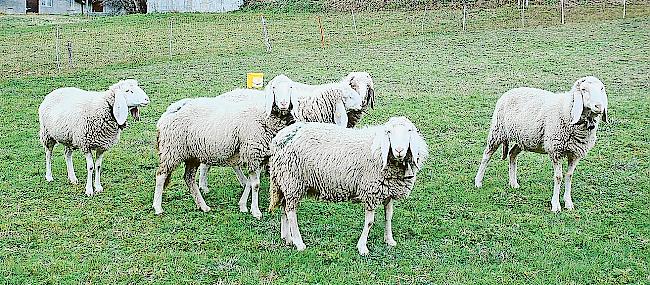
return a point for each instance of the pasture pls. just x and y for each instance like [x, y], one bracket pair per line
[445, 80]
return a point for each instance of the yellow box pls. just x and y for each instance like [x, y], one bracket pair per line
[255, 80]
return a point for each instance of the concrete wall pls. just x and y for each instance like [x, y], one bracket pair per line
[61, 7]
[208, 6]
[12, 6]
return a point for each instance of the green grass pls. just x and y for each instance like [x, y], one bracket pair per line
[445, 80]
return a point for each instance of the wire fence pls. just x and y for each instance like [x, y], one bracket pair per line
[50, 45]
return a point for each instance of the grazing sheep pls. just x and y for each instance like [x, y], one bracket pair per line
[217, 131]
[326, 103]
[373, 165]
[87, 121]
[561, 125]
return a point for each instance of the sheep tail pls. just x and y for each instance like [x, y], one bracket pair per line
[505, 150]
[275, 196]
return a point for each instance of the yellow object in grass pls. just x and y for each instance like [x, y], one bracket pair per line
[254, 80]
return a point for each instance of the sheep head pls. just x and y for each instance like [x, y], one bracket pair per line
[400, 137]
[279, 93]
[133, 95]
[589, 97]
[362, 83]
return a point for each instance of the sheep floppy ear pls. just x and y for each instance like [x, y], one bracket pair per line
[418, 148]
[120, 109]
[381, 143]
[269, 99]
[340, 114]
[371, 97]
[576, 109]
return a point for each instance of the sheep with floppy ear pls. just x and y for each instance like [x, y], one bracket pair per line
[220, 132]
[363, 84]
[88, 121]
[372, 165]
[560, 125]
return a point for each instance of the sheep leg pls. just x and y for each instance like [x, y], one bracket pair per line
[254, 185]
[190, 176]
[487, 153]
[247, 190]
[161, 177]
[98, 169]
[284, 228]
[89, 177]
[512, 167]
[363, 240]
[69, 166]
[388, 232]
[568, 202]
[48, 163]
[203, 177]
[243, 180]
[296, 238]
[557, 179]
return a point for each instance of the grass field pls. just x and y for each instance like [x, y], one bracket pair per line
[446, 81]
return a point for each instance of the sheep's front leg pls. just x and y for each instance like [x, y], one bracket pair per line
[363, 240]
[296, 238]
[89, 177]
[487, 153]
[69, 166]
[512, 167]
[98, 168]
[388, 232]
[48, 163]
[254, 185]
[568, 203]
[203, 177]
[190, 176]
[557, 183]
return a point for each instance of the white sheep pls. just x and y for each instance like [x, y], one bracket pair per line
[325, 103]
[561, 125]
[372, 165]
[88, 121]
[220, 132]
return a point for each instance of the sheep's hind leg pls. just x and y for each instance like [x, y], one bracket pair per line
[512, 167]
[284, 228]
[161, 181]
[296, 238]
[98, 169]
[362, 245]
[203, 178]
[243, 180]
[487, 153]
[568, 202]
[48, 162]
[89, 177]
[557, 183]
[388, 232]
[254, 184]
[190, 176]
[69, 166]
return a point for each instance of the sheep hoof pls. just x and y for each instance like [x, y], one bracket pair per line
[478, 184]
[73, 180]
[49, 178]
[287, 241]
[98, 189]
[390, 241]
[363, 250]
[514, 185]
[205, 208]
[204, 189]
[555, 208]
[300, 246]
[157, 210]
[257, 214]
[89, 191]
[568, 205]
[243, 209]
